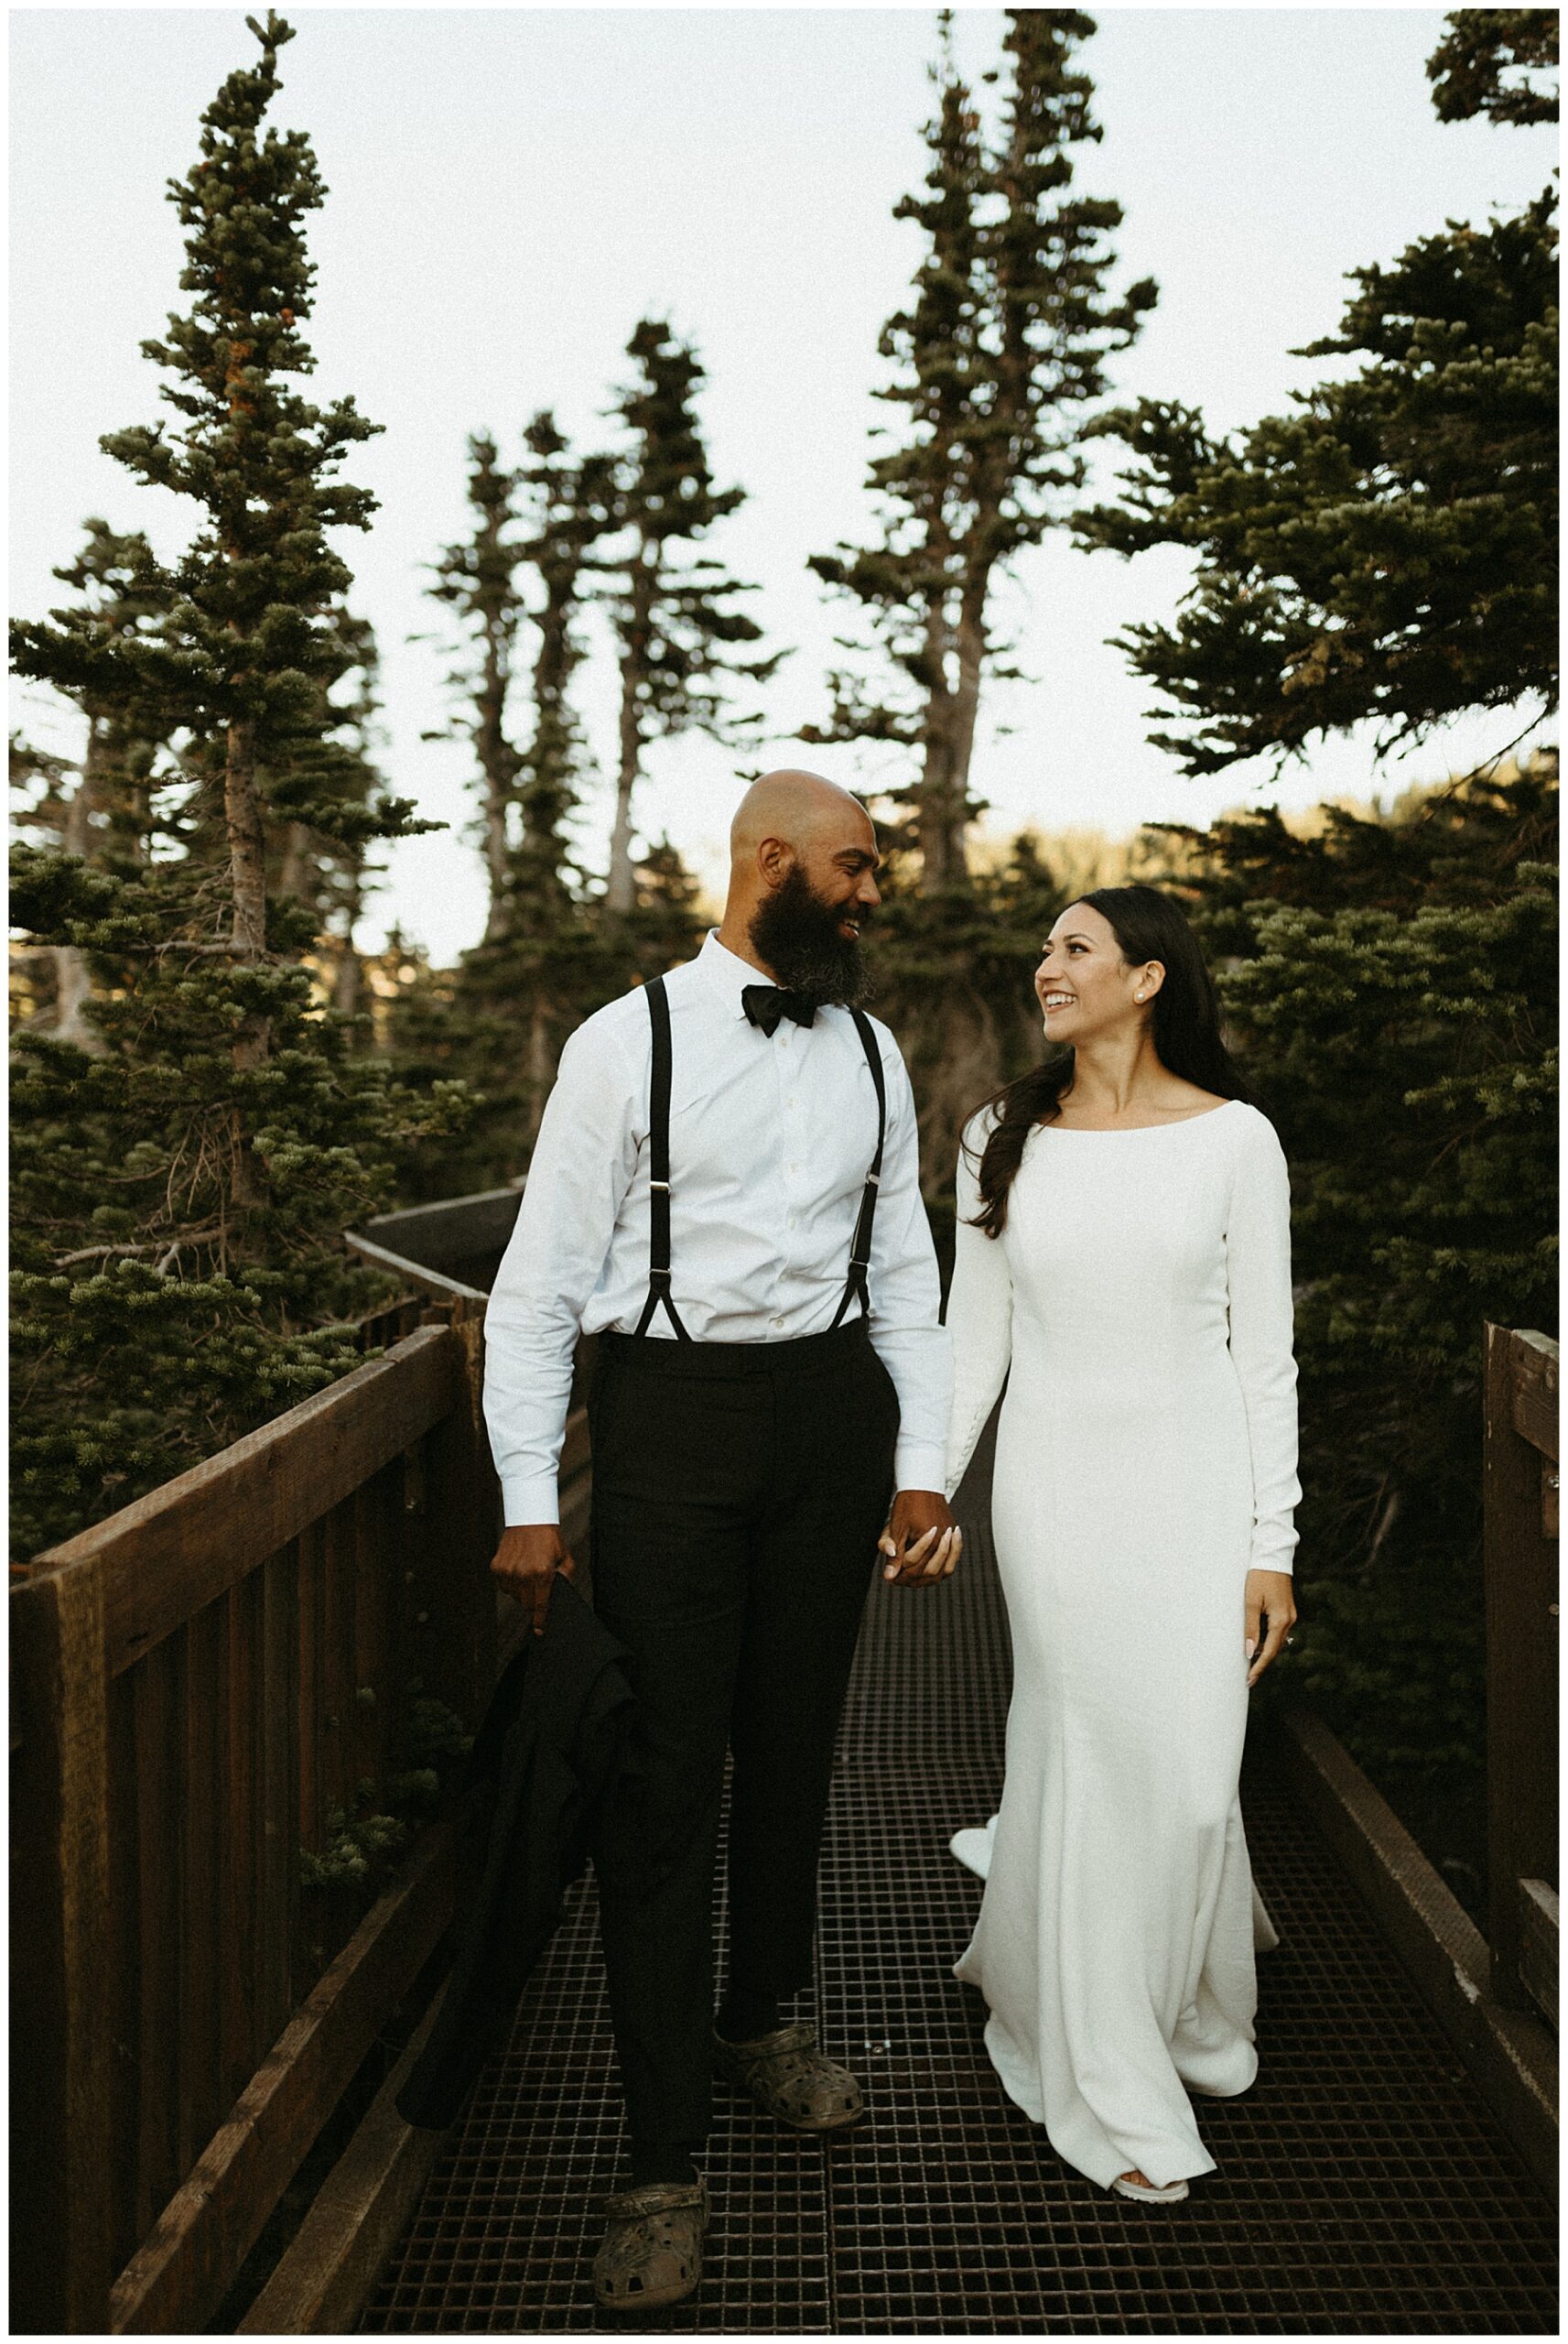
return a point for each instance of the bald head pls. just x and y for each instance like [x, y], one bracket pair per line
[800, 848]
[801, 812]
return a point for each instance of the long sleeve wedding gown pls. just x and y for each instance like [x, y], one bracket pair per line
[1138, 1305]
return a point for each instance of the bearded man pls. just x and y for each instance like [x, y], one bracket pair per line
[725, 1192]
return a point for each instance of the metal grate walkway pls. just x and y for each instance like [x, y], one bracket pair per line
[1364, 2187]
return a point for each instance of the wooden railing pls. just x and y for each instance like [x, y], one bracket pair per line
[1521, 1501]
[197, 1683]
[449, 1251]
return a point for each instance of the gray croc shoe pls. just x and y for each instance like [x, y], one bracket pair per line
[789, 2078]
[651, 2254]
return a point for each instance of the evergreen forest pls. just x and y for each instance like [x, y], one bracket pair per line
[213, 1075]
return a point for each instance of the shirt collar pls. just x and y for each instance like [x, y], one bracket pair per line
[728, 973]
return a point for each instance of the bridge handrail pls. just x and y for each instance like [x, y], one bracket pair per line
[197, 1681]
[1521, 1597]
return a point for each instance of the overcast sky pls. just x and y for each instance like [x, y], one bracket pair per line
[511, 189]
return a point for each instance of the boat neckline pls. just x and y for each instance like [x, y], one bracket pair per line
[1131, 1130]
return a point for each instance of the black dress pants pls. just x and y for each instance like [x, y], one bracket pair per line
[739, 1490]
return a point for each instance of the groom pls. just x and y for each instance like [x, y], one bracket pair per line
[725, 1192]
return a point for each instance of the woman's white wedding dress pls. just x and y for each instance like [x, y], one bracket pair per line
[1138, 1305]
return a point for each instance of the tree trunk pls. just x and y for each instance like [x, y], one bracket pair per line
[496, 765]
[540, 1069]
[247, 871]
[348, 977]
[621, 896]
[972, 650]
[347, 980]
[73, 983]
[935, 816]
[294, 879]
[247, 843]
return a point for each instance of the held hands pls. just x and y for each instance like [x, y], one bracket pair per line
[921, 1540]
[1271, 1598]
[526, 1561]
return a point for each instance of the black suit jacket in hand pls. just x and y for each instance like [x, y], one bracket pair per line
[550, 1745]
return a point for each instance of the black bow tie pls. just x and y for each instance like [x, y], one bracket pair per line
[765, 1005]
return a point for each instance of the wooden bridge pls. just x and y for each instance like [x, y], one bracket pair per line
[226, 1701]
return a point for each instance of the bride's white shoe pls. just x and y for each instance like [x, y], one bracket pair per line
[1146, 2195]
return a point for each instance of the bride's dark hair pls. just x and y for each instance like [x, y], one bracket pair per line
[1148, 925]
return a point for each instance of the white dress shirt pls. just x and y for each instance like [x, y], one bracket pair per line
[771, 1140]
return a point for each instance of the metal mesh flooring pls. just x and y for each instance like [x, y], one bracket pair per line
[1364, 2187]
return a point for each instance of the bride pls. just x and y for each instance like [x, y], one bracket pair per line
[1123, 1260]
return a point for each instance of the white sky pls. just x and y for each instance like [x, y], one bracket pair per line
[511, 189]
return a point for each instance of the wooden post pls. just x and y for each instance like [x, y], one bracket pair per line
[60, 2080]
[459, 1657]
[1521, 1639]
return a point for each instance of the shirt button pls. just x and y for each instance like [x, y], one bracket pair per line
[778, 1322]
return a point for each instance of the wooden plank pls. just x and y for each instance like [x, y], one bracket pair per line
[451, 1229]
[435, 1284]
[1510, 2053]
[339, 1779]
[189, 1541]
[182, 2271]
[277, 1843]
[125, 1971]
[311, 1805]
[1538, 1943]
[1534, 1410]
[329, 2271]
[158, 1696]
[61, 2074]
[373, 1562]
[203, 1951]
[242, 1831]
[1521, 1657]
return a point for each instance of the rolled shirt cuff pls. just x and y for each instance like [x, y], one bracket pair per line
[530, 1498]
[920, 1465]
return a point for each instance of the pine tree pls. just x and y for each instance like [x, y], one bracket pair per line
[675, 620]
[502, 1014]
[339, 873]
[179, 1196]
[101, 806]
[1005, 345]
[1480, 46]
[1387, 554]
[1391, 983]
[546, 965]
[478, 581]
[573, 505]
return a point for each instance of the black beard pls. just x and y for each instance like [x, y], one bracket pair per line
[794, 932]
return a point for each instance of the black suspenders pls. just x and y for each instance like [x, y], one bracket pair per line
[659, 1171]
[659, 1166]
[861, 1251]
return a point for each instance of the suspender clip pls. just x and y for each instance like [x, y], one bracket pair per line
[660, 1184]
